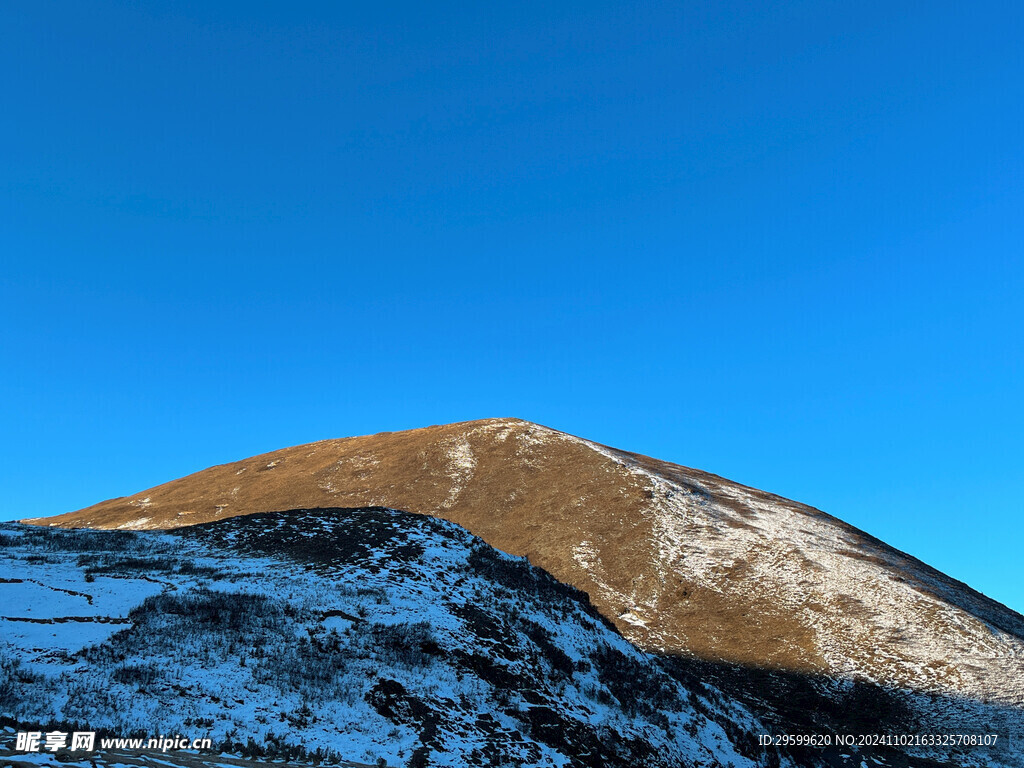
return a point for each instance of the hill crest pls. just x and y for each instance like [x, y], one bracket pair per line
[682, 561]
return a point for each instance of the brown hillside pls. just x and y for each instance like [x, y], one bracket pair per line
[681, 560]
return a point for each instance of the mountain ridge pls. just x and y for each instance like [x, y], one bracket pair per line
[330, 635]
[680, 560]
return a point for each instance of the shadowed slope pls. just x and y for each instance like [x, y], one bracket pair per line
[681, 560]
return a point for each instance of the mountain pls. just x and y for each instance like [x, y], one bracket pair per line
[682, 562]
[336, 635]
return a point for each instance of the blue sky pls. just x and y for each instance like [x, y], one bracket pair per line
[777, 241]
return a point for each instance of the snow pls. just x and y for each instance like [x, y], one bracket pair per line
[138, 524]
[376, 590]
[461, 466]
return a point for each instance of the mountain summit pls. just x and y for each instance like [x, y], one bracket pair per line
[682, 561]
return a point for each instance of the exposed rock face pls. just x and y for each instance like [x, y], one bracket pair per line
[681, 560]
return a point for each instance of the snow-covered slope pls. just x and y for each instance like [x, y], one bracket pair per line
[358, 634]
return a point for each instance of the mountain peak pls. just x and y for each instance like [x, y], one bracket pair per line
[682, 561]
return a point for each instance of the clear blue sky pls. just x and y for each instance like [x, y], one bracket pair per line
[781, 242]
